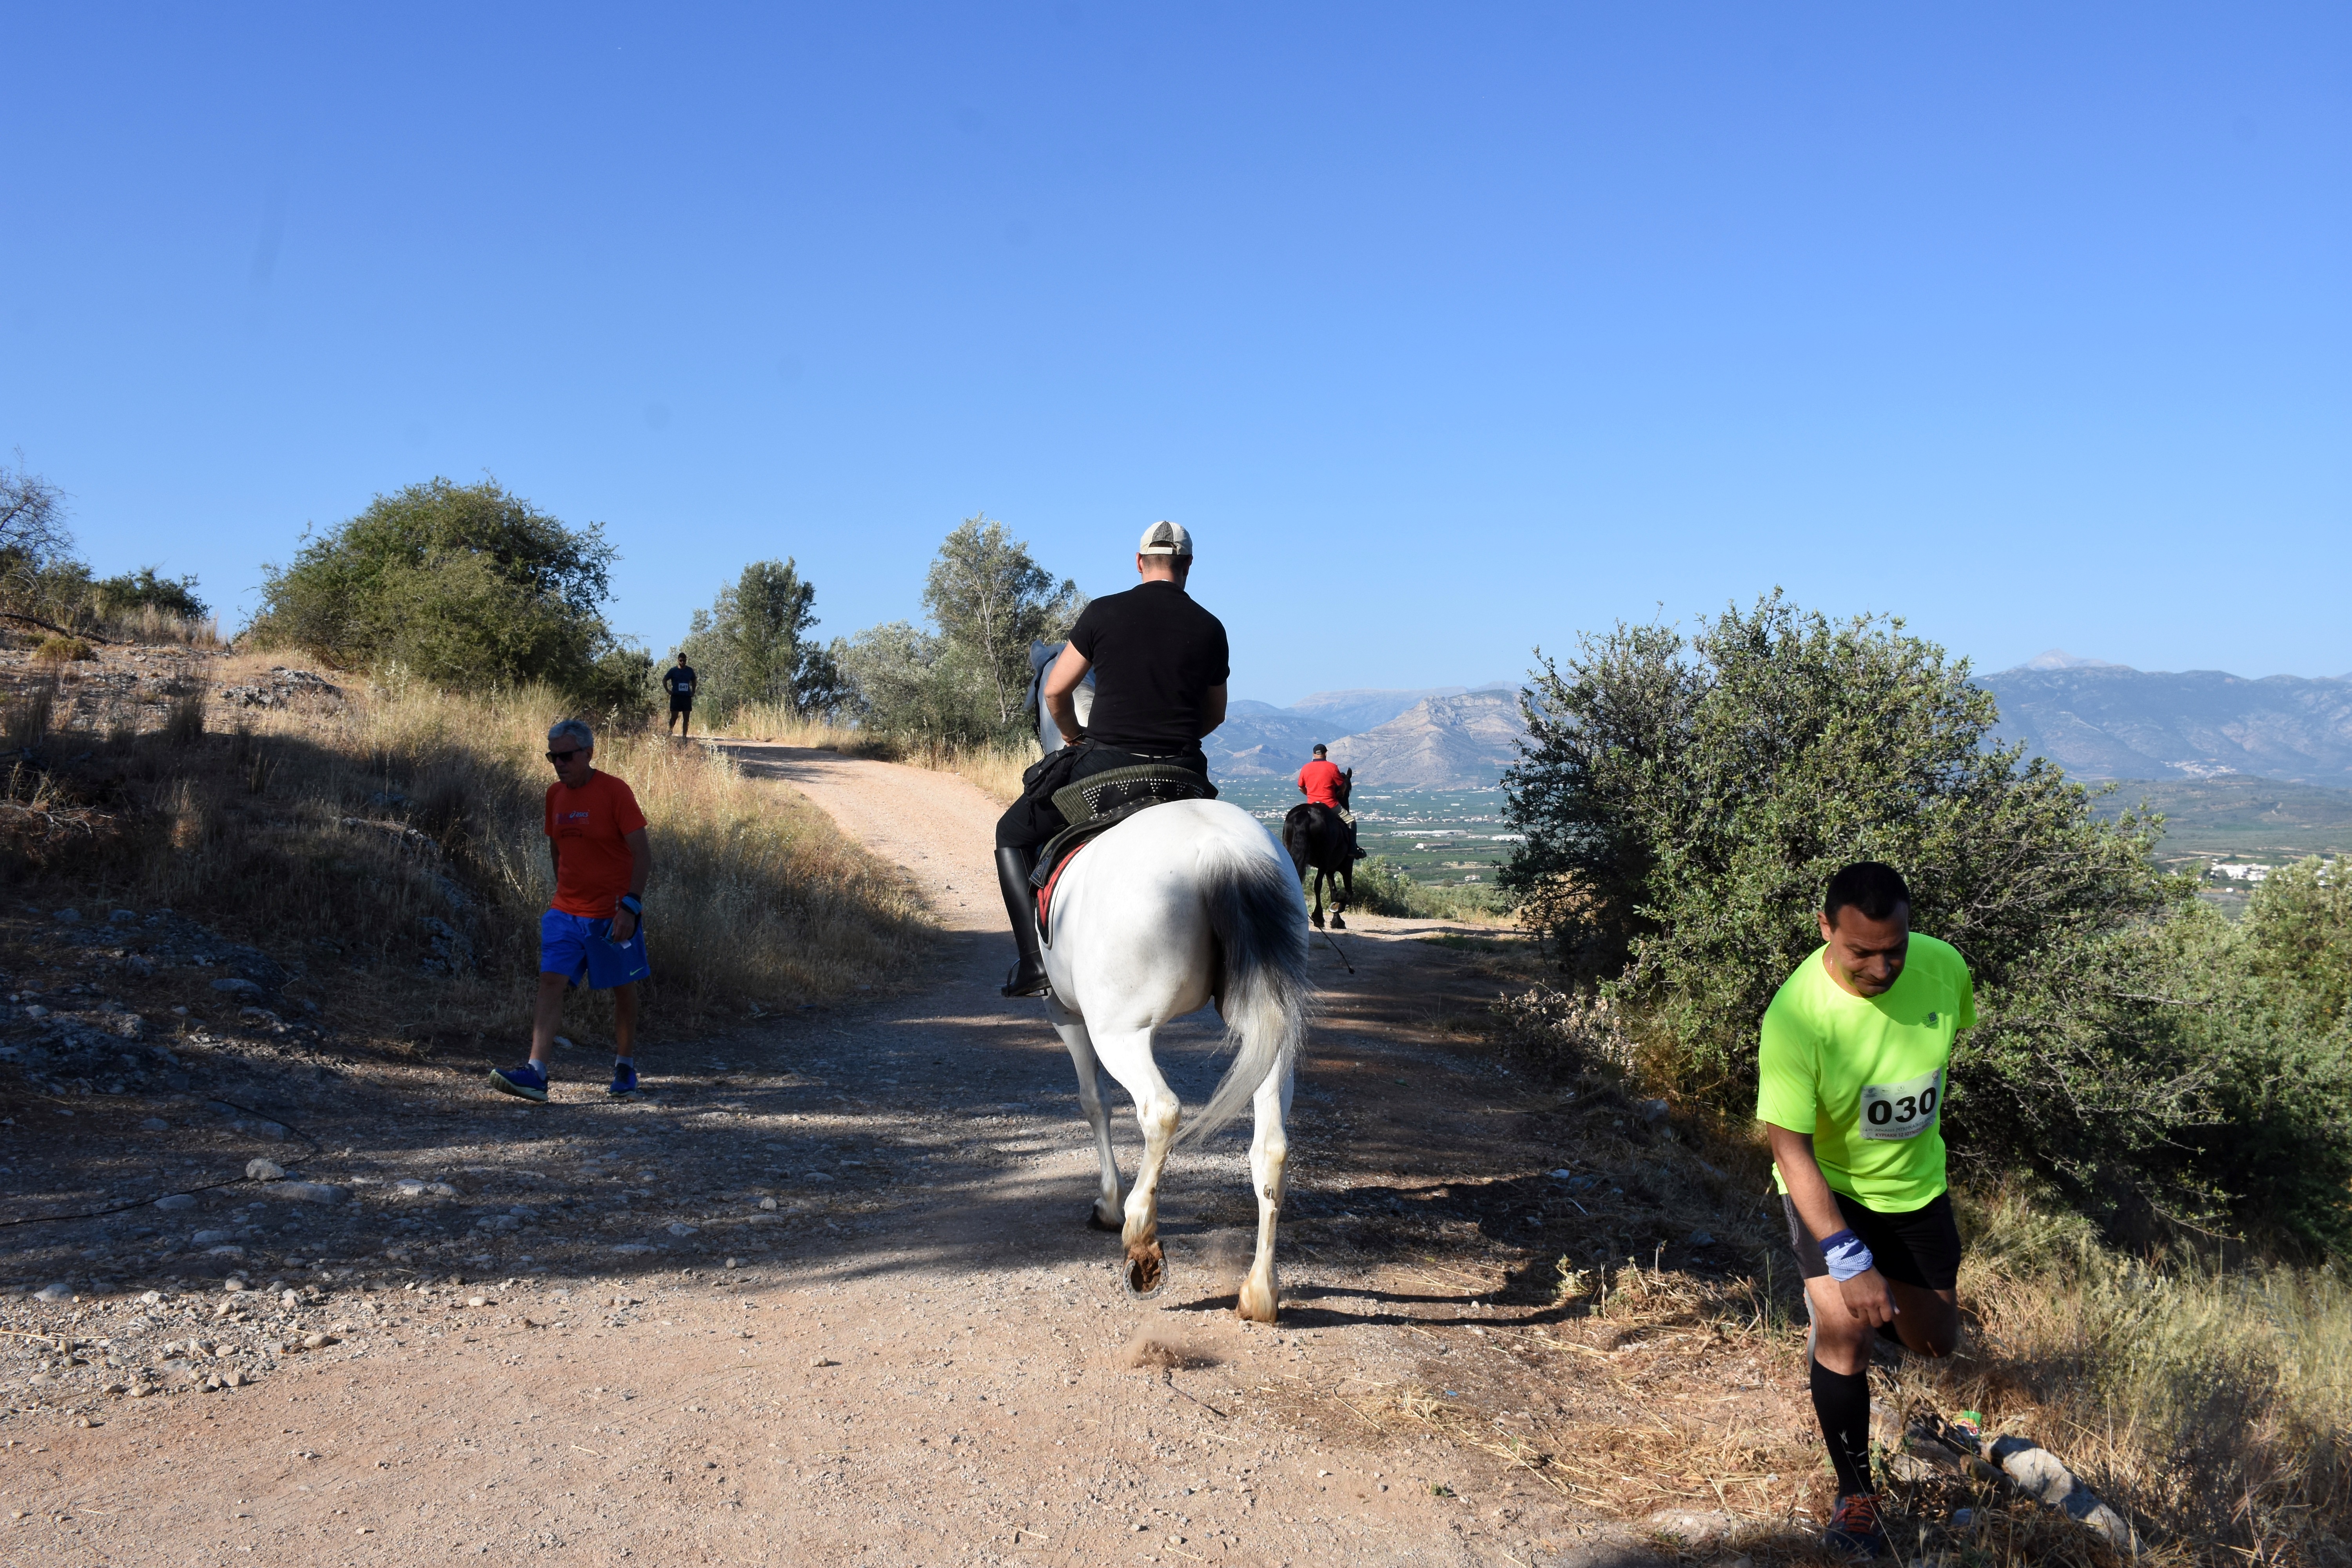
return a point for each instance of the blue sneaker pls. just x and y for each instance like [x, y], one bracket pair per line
[625, 1079]
[528, 1080]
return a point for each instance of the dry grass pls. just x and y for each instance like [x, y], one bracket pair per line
[996, 769]
[25, 721]
[2208, 1410]
[2211, 1406]
[776, 722]
[152, 626]
[391, 833]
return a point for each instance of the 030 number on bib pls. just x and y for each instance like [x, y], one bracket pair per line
[1896, 1110]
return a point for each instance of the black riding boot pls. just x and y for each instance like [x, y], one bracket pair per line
[1013, 869]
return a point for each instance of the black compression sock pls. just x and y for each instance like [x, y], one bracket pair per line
[1842, 1401]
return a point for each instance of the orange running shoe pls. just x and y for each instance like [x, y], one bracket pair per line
[1855, 1529]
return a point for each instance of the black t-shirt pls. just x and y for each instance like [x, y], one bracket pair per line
[1156, 655]
[680, 682]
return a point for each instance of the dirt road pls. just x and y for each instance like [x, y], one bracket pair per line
[827, 1294]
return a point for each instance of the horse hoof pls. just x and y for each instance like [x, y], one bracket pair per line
[1339, 924]
[1318, 922]
[1095, 1222]
[1146, 1275]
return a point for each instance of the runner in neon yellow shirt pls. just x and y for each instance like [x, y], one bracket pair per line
[1850, 1081]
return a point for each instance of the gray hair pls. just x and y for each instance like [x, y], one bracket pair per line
[573, 730]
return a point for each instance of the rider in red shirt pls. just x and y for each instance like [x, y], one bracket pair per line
[1321, 782]
[1318, 781]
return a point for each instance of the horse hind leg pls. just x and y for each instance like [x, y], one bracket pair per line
[1157, 1110]
[1343, 893]
[1261, 1293]
[1318, 917]
[1105, 1214]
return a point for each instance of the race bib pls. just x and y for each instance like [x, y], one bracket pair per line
[1897, 1110]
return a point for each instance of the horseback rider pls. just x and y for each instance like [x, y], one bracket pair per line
[1161, 663]
[1323, 785]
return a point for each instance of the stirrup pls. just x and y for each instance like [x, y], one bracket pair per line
[1037, 984]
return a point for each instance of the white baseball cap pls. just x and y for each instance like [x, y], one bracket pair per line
[1165, 539]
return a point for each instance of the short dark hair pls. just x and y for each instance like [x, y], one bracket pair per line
[1320, 748]
[1871, 886]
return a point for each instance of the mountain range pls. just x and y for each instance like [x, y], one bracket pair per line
[1443, 737]
[2103, 720]
[2096, 719]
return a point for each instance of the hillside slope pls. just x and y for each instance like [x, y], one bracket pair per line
[1440, 743]
[1259, 740]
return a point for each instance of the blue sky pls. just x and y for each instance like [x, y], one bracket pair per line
[1448, 331]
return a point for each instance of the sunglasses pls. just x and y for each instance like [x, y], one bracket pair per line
[559, 758]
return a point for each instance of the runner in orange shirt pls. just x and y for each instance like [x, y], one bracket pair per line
[595, 929]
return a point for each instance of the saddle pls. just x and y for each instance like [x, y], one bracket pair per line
[1103, 801]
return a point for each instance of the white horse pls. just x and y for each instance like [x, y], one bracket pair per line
[1179, 905]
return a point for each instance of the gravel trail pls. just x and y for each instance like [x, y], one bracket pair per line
[825, 1294]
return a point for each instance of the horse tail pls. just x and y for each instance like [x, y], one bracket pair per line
[1260, 925]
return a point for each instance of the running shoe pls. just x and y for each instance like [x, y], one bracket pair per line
[529, 1081]
[625, 1080]
[1855, 1531]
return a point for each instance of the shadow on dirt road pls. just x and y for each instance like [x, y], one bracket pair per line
[825, 1291]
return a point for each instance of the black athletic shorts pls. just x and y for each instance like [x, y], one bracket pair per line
[681, 704]
[1921, 1247]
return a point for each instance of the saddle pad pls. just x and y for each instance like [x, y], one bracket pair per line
[1054, 869]
[1116, 790]
[1103, 801]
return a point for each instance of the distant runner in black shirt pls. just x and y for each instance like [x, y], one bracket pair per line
[680, 684]
[1160, 664]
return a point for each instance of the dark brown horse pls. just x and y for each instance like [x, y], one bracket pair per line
[1317, 837]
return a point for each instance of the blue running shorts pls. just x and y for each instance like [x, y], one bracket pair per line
[577, 947]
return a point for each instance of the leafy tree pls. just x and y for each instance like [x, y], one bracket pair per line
[753, 644]
[990, 600]
[38, 573]
[461, 584]
[909, 681]
[2299, 926]
[33, 532]
[1686, 800]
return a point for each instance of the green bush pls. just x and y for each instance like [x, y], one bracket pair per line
[460, 586]
[56, 649]
[145, 590]
[2265, 1003]
[1381, 887]
[1686, 800]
